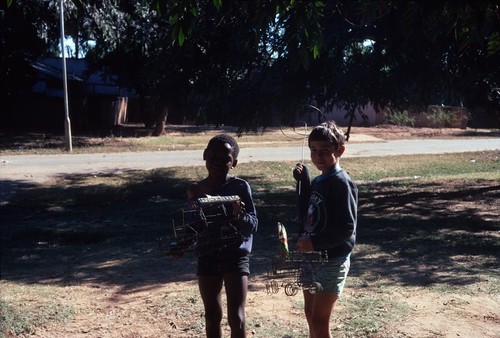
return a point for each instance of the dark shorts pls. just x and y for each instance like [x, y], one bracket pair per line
[222, 262]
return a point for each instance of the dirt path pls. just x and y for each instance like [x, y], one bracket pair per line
[174, 310]
[38, 168]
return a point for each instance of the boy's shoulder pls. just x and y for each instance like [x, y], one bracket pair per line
[238, 180]
[339, 176]
[196, 185]
[237, 183]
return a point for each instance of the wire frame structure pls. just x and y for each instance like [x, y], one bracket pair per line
[294, 271]
[205, 226]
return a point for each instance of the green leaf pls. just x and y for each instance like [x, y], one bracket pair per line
[174, 19]
[9, 2]
[494, 43]
[181, 37]
[320, 4]
[316, 51]
[217, 4]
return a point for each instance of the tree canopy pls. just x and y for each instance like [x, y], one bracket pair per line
[251, 63]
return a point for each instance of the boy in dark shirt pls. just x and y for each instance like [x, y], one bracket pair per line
[226, 264]
[328, 212]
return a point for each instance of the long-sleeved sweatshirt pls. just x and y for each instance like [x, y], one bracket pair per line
[212, 240]
[328, 210]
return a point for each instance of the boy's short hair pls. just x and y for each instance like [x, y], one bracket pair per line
[224, 138]
[328, 131]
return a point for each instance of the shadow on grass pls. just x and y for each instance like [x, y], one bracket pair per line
[85, 231]
[430, 233]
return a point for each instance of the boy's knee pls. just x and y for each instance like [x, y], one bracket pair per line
[213, 318]
[236, 321]
[320, 327]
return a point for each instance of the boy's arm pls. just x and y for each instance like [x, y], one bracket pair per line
[303, 190]
[248, 223]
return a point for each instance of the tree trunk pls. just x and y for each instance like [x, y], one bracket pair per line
[351, 118]
[161, 118]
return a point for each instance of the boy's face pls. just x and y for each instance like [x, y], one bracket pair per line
[324, 156]
[219, 159]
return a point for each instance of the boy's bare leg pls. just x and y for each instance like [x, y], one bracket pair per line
[236, 285]
[318, 309]
[210, 291]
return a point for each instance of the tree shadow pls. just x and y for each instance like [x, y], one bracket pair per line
[438, 233]
[477, 133]
[84, 231]
[431, 233]
[81, 232]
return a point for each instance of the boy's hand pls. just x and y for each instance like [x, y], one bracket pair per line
[297, 172]
[304, 244]
[195, 191]
[239, 210]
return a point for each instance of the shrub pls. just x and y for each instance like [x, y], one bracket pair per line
[400, 117]
[441, 118]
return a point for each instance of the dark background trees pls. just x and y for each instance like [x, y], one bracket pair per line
[252, 63]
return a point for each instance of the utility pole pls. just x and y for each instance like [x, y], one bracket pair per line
[67, 122]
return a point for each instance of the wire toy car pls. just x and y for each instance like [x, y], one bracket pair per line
[296, 272]
[206, 225]
[294, 269]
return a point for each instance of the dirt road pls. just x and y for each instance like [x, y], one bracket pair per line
[38, 168]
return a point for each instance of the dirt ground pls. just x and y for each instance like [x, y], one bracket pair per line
[160, 297]
[392, 132]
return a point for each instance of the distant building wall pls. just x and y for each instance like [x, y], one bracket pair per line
[364, 116]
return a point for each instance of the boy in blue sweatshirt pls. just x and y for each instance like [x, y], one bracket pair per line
[328, 214]
[226, 264]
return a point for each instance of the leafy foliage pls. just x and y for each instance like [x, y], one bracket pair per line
[441, 118]
[400, 117]
[252, 63]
